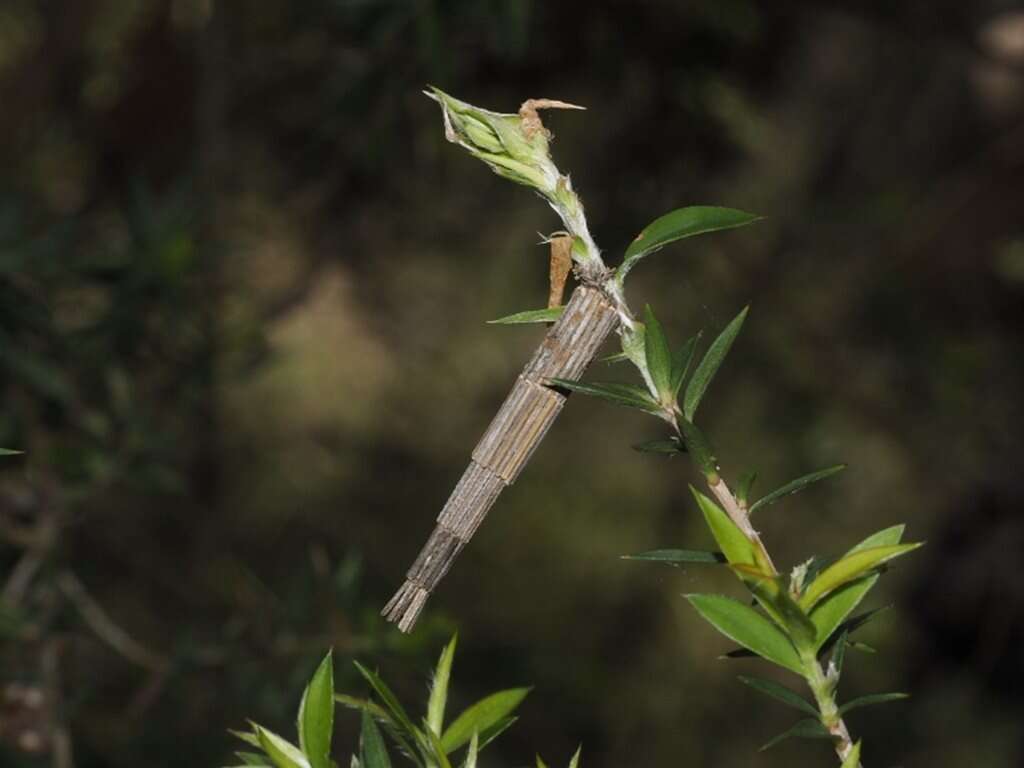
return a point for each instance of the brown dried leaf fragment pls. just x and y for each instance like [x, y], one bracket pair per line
[561, 265]
[531, 120]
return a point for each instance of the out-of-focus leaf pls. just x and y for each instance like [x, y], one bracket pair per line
[541, 763]
[805, 729]
[749, 628]
[779, 693]
[9, 452]
[438, 751]
[681, 361]
[710, 364]
[852, 759]
[249, 738]
[736, 547]
[575, 761]
[481, 716]
[530, 316]
[680, 223]
[699, 447]
[795, 486]
[744, 486]
[871, 699]
[629, 395]
[658, 356]
[670, 447]
[849, 568]
[830, 612]
[391, 703]
[316, 715]
[677, 556]
[439, 688]
[374, 753]
[862, 647]
[618, 357]
[472, 752]
[251, 758]
[281, 752]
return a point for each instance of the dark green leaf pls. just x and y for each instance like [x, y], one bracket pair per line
[862, 647]
[744, 486]
[805, 729]
[670, 446]
[439, 688]
[548, 315]
[710, 364]
[699, 447]
[391, 703]
[870, 699]
[676, 556]
[749, 628]
[481, 716]
[680, 223]
[629, 395]
[251, 758]
[658, 356]
[839, 654]
[779, 693]
[796, 486]
[8, 452]
[681, 362]
[374, 753]
[316, 715]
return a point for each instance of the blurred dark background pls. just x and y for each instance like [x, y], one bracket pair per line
[243, 286]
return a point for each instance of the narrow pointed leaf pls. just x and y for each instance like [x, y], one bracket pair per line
[680, 223]
[747, 627]
[316, 715]
[678, 556]
[832, 611]
[839, 654]
[618, 357]
[490, 734]
[779, 693]
[871, 699]
[439, 753]
[391, 703]
[658, 356]
[374, 753]
[770, 591]
[251, 758]
[851, 567]
[575, 761]
[481, 716]
[9, 452]
[439, 688]
[541, 763]
[472, 752]
[699, 447]
[734, 544]
[669, 447]
[796, 486]
[681, 362]
[710, 364]
[281, 752]
[805, 729]
[744, 486]
[548, 315]
[852, 759]
[249, 738]
[629, 395]
[862, 647]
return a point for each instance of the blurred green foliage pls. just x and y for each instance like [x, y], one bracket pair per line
[243, 294]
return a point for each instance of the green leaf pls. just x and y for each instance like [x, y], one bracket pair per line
[437, 749]
[481, 716]
[779, 693]
[805, 729]
[681, 362]
[770, 591]
[575, 761]
[618, 357]
[402, 720]
[862, 647]
[439, 689]
[839, 654]
[281, 752]
[316, 715]
[549, 315]
[744, 486]
[699, 447]
[735, 545]
[251, 758]
[374, 754]
[249, 738]
[831, 612]
[871, 699]
[9, 452]
[796, 486]
[852, 759]
[710, 364]
[490, 734]
[680, 223]
[749, 628]
[629, 395]
[541, 763]
[676, 556]
[671, 446]
[658, 356]
[849, 568]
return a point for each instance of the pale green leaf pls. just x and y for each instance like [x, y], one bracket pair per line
[745, 626]
[249, 738]
[316, 715]
[438, 752]
[779, 693]
[680, 223]
[439, 688]
[852, 759]
[849, 568]
[549, 315]
[795, 486]
[281, 752]
[480, 716]
[735, 545]
[472, 752]
[710, 364]
[575, 761]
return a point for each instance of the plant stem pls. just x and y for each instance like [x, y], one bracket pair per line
[821, 686]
